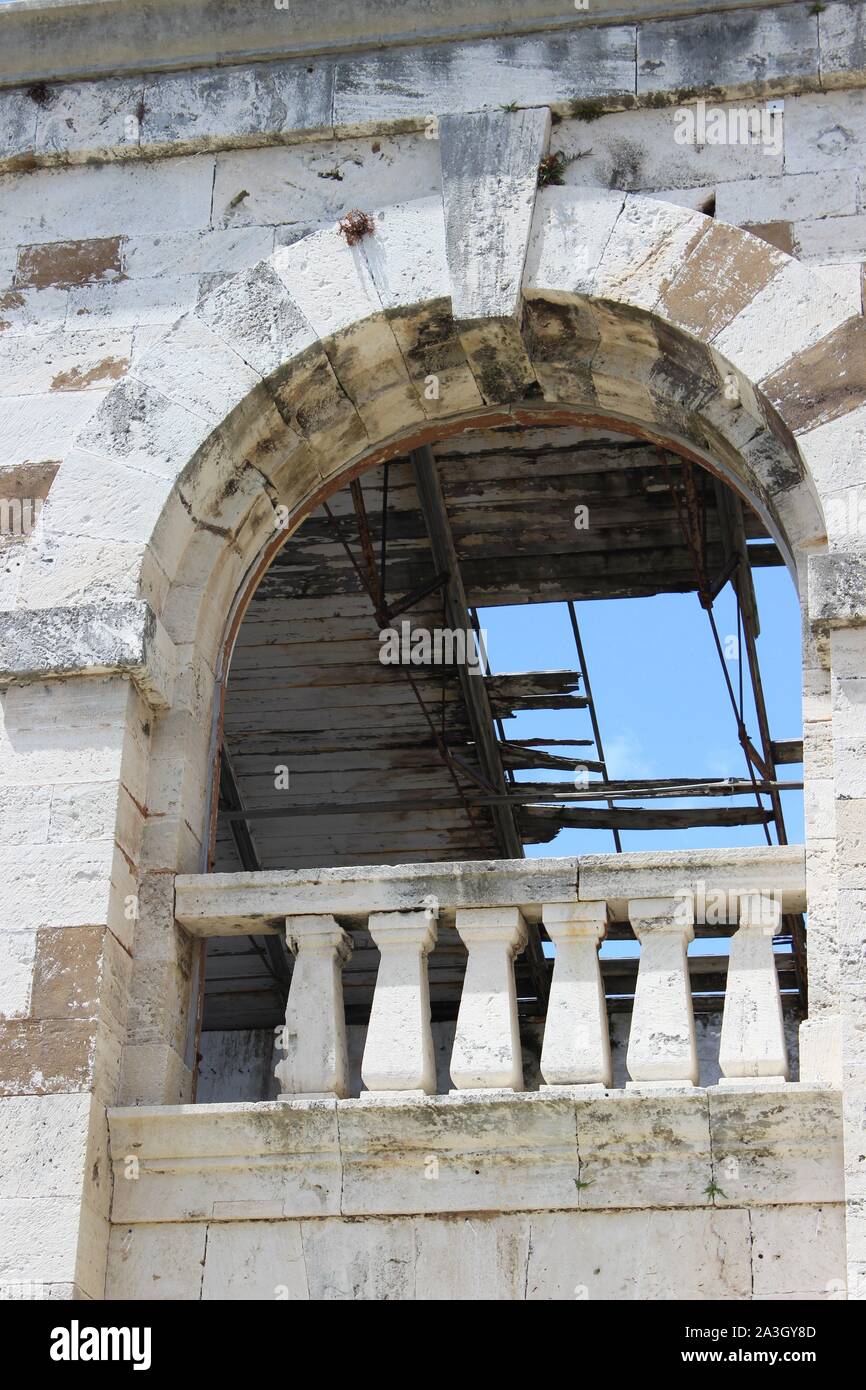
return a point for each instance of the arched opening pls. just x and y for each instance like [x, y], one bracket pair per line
[396, 695]
[314, 378]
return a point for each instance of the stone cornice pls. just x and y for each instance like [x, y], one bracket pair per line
[503, 1151]
[43, 40]
[578, 69]
[44, 644]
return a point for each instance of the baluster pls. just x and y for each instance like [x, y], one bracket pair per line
[316, 1062]
[487, 1040]
[661, 1046]
[398, 1053]
[576, 1049]
[753, 1031]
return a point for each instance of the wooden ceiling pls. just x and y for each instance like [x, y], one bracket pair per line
[393, 765]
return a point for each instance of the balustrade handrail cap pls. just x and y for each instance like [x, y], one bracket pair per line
[240, 901]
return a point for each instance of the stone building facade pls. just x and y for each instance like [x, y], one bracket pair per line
[188, 343]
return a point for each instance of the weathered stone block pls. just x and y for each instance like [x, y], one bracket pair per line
[651, 1255]
[831, 239]
[646, 250]
[570, 230]
[34, 363]
[728, 50]
[837, 590]
[92, 117]
[823, 382]
[791, 197]
[825, 130]
[843, 44]
[498, 1153]
[46, 1057]
[215, 249]
[25, 311]
[40, 429]
[415, 84]
[257, 1260]
[24, 815]
[293, 1148]
[64, 264]
[358, 1260]
[720, 277]
[457, 1256]
[791, 313]
[17, 951]
[629, 1159]
[158, 1262]
[108, 200]
[232, 105]
[785, 1141]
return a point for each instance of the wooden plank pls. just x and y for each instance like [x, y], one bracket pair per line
[788, 750]
[628, 818]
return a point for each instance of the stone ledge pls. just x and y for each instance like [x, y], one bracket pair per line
[837, 591]
[47, 38]
[271, 95]
[43, 644]
[511, 1152]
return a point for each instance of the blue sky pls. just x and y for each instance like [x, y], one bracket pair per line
[661, 701]
[660, 696]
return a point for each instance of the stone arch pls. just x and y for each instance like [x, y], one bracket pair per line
[328, 358]
[317, 363]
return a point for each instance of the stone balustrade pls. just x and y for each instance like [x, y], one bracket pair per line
[493, 906]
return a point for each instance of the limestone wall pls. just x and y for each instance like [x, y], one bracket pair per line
[698, 1254]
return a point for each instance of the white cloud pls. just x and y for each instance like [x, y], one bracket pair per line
[626, 757]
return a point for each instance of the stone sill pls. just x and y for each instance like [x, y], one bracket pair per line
[499, 1152]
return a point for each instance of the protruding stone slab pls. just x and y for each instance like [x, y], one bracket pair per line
[753, 1032]
[94, 640]
[487, 1041]
[232, 1162]
[316, 1060]
[495, 1151]
[398, 1053]
[490, 165]
[489, 180]
[661, 1047]
[576, 1048]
